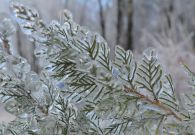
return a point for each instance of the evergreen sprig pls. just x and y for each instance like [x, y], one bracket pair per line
[82, 90]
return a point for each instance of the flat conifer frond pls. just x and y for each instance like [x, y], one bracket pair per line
[82, 90]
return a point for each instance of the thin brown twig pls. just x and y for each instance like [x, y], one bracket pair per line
[6, 46]
[154, 102]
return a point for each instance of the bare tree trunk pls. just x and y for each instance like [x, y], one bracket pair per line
[102, 20]
[19, 43]
[171, 9]
[129, 44]
[66, 4]
[168, 13]
[35, 66]
[119, 21]
[82, 18]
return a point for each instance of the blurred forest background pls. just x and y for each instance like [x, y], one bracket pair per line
[167, 25]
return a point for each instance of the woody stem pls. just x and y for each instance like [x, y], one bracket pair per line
[154, 102]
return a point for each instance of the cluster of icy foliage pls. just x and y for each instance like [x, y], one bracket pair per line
[174, 53]
[25, 94]
[81, 90]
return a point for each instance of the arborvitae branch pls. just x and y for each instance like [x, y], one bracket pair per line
[81, 90]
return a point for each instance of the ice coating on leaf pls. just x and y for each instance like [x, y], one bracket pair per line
[115, 72]
[24, 13]
[39, 96]
[30, 22]
[11, 107]
[150, 53]
[24, 116]
[126, 65]
[2, 62]
[6, 28]
[40, 50]
[67, 15]
[27, 28]
[33, 81]
[149, 74]
[17, 65]
[61, 85]
[34, 126]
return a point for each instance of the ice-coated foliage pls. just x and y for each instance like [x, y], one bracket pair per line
[81, 90]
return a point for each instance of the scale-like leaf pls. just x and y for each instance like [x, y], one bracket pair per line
[125, 64]
[149, 74]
